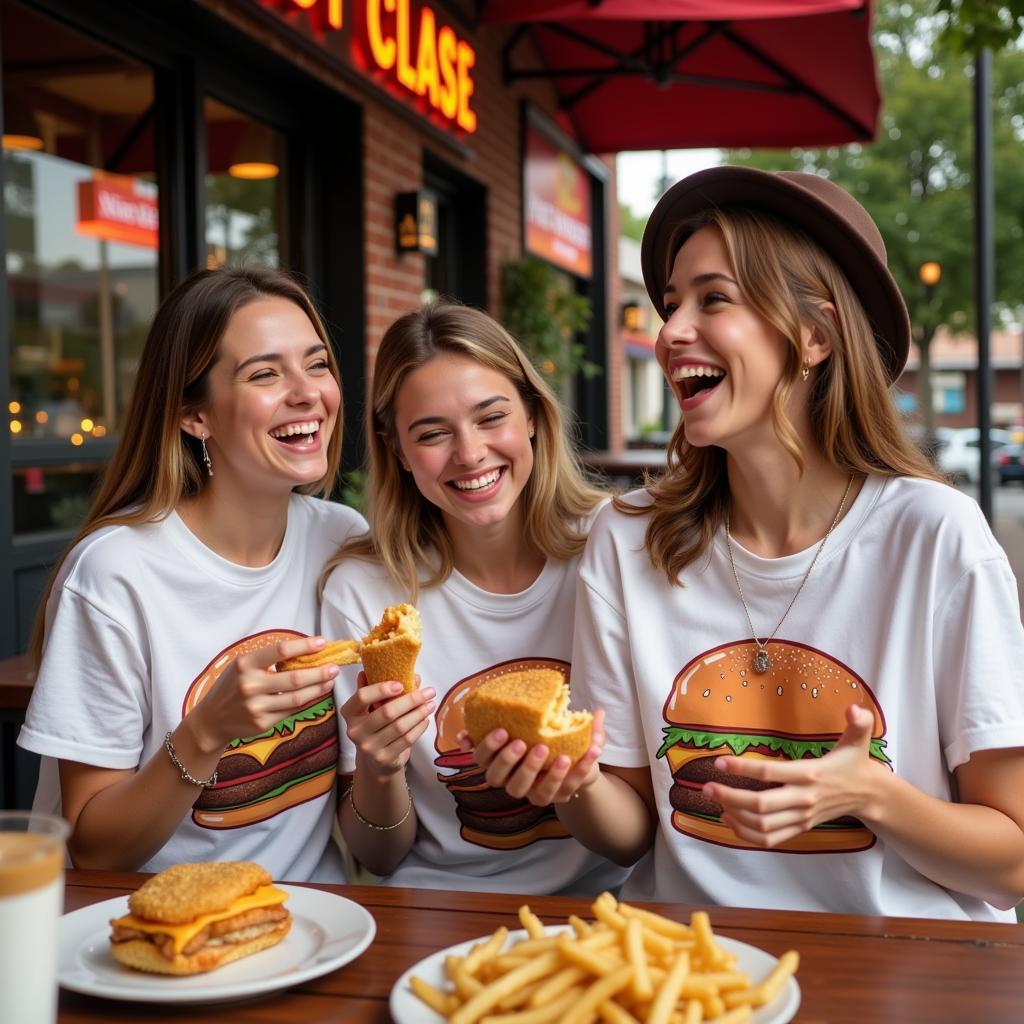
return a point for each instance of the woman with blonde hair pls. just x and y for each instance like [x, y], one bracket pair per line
[808, 643]
[479, 513]
[166, 734]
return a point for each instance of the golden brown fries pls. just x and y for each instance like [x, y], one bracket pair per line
[628, 966]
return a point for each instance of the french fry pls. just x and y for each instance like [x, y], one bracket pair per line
[668, 992]
[628, 965]
[554, 986]
[597, 993]
[484, 951]
[551, 1014]
[490, 995]
[531, 922]
[633, 946]
[437, 1000]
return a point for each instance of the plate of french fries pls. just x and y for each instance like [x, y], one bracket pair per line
[626, 966]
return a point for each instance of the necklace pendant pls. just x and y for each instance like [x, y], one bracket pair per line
[761, 661]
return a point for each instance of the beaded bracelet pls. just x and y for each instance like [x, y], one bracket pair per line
[185, 776]
[370, 824]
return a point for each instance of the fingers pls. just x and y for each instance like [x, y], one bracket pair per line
[860, 724]
[384, 725]
[765, 801]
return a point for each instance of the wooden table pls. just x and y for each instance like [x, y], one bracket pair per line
[853, 969]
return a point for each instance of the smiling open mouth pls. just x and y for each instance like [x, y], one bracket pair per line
[478, 483]
[297, 435]
[692, 380]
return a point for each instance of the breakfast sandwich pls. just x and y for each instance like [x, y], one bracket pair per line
[193, 918]
[336, 652]
[532, 705]
[390, 649]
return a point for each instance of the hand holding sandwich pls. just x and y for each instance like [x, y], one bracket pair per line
[249, 697]
[520, 770]
[144, 807]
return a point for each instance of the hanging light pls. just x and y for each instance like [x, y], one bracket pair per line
[21, 129]
[253, 158]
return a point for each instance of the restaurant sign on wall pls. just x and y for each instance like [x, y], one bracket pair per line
[556, 208]
[404, 46]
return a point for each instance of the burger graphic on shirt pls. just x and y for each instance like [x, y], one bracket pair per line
[286, 765]
[719, 705]
[488, 816]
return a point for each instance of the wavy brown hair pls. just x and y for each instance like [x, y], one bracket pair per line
[407, 532]
[786, 278]
[155, 463]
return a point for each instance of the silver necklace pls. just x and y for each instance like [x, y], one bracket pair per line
[762, 662]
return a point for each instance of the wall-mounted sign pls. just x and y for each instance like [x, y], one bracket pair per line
[556, 201]
[634, 316]
[403, 46]
[115, 210]
[416, 222]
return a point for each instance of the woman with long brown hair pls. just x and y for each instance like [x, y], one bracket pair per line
[479, 514]
[165, 732]
[807, 644]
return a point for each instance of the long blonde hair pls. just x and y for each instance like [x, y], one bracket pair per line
[785, 277]
[156, 463]
[407, 533]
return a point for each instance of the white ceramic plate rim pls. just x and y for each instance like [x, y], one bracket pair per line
[406, 1008]
[327, 932]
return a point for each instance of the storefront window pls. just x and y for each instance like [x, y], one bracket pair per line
[245, 189]
[80, 217]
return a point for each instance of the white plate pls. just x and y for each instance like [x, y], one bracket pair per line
[406, 1008]
[327, 932]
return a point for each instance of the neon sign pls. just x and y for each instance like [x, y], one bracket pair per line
[402, 45]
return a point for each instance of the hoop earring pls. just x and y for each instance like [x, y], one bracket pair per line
[806, 371]
[206, 457]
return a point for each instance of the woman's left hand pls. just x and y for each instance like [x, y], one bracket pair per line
[808, 792]
[520, 772]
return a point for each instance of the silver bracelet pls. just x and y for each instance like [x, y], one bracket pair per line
[370, 824]
[185, 777]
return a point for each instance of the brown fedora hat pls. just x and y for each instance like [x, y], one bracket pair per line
[826, 212]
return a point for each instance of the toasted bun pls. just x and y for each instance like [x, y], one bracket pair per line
[185, 891]
[390, 649]
[721, 692]
[145, 956]
[817, 840]
[533, 706]
[337, 652]
[266, 807]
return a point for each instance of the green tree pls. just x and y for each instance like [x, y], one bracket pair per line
[631, 224]
[916, 177]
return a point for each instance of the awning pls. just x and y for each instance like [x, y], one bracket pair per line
[636, 344]
[673, 74]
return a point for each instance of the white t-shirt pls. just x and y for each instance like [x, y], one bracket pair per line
[912, 601]
[470, 835]
[140, 623]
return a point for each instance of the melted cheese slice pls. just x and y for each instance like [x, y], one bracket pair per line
[262, 749]
[264, 896]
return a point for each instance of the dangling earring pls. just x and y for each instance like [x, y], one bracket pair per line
[806, 371]
[206, 456]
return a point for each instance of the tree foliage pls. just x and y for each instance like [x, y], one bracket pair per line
[916, 178]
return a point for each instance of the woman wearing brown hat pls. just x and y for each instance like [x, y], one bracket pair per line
[808, 646]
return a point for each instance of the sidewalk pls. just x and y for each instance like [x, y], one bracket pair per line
[1009, 531]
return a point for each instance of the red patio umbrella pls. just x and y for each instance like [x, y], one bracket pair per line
[671, 74]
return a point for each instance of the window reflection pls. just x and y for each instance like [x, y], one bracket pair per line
[80, 219]
[244, 188]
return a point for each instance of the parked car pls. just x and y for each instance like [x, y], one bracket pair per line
[1010, 463]
[958, 451]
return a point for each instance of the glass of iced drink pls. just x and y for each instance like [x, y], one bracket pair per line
[31, 901]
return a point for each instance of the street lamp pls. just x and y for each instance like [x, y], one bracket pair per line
[930, 273]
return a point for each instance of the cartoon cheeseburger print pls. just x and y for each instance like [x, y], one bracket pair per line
[489, 817]
[720, 705]
[259, 776]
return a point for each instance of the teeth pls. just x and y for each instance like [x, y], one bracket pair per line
[296, 428]
[477, 482]
[683, 372]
